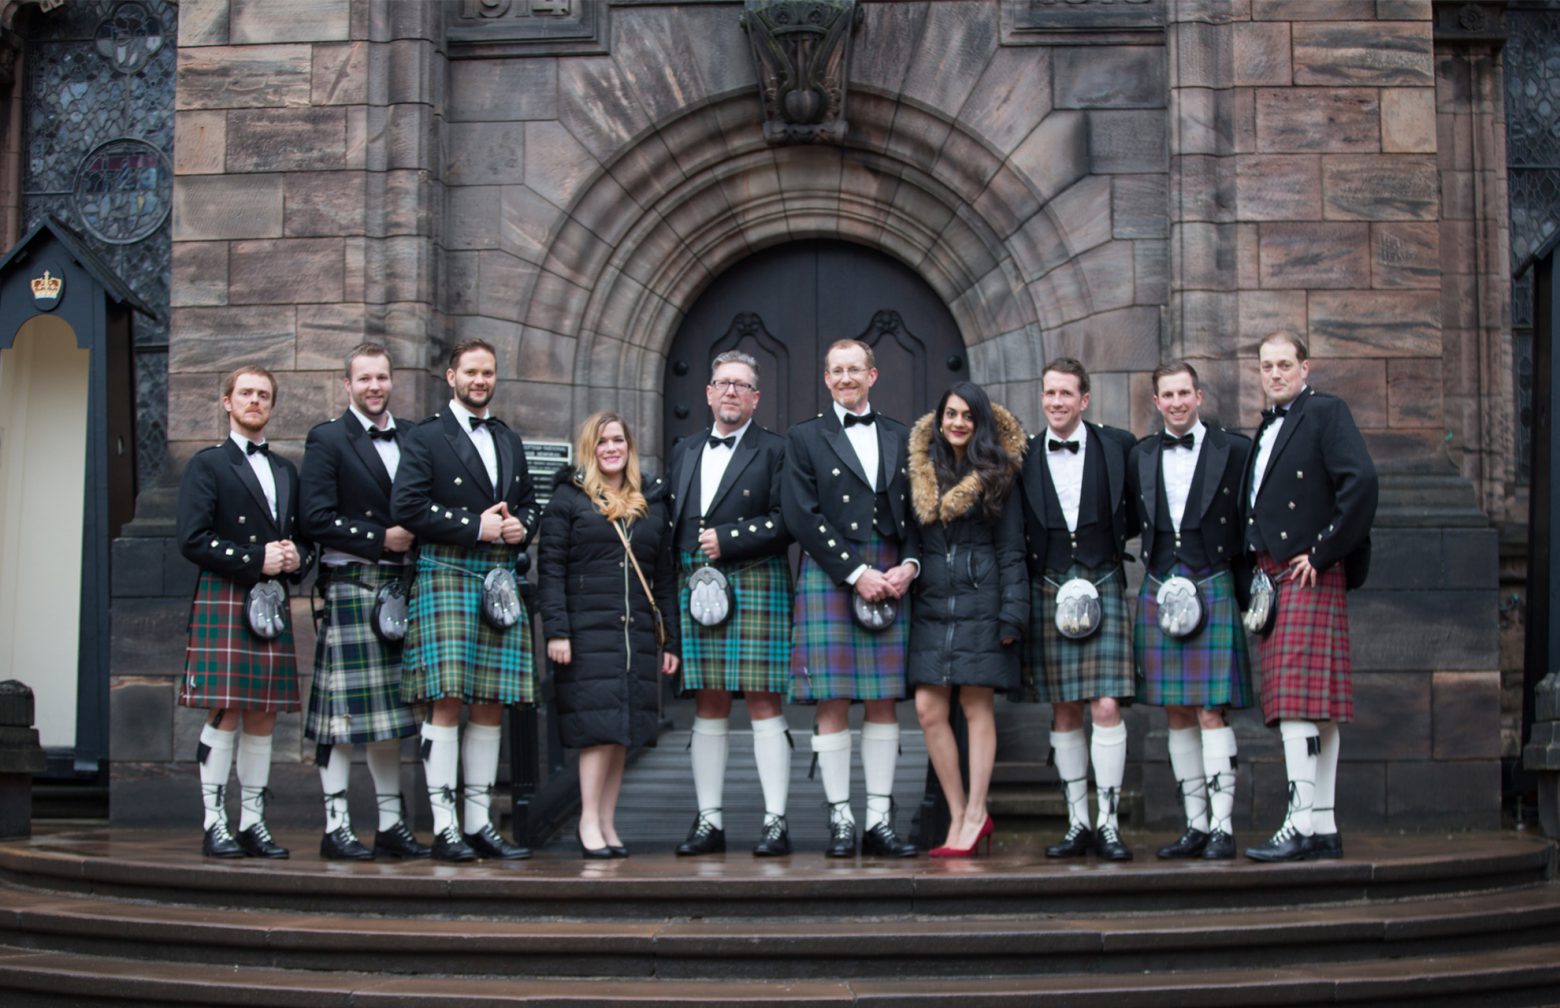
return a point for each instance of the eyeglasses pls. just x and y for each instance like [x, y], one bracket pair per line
[727, 385]
[846, 372]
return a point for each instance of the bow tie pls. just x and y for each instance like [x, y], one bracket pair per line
[730, 441]
[851, 419]
[488, 422]
[1276, 413]
[263, 448]
[1171, 441]
[375, 434]
[1055, 445]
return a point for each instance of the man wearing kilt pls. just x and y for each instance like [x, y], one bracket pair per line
[237, 515]
[1077, 520]
[1311, 493]
[1186, 484]
[726, 514]
[464, 490]
[348, 466]
[844, 498]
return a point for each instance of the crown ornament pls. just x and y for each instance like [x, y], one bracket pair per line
[46, 287]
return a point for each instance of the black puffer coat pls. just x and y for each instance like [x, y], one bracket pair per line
[589, 594]
[973, 589]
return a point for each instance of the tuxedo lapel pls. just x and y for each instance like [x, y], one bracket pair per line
[251, 482]
[1215, 455]
[1115, 467]
[1292, 421]
[1148, 481]
[746, 451]
[283, 490]
[506, 461]
[840, 444]
[363, 446]
[888, 455]
[688, 473]
[466, 452]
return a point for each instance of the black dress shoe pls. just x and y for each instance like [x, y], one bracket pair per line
[882, 841]
[448, 846]
[340, 845]
[1327, 846]
[1220, 847]
[1285, 845]
[704, 837]
[1077, 842]
[1188, 844]
[219, 843]
[618, 850]
[489, 844]
[842, 839]
[1108, 845]
[399, 841]
[775, 841]
[602, 853]
[257, 842]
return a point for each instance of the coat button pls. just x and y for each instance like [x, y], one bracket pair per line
[845, 498]
[457, 481]
[1283, 535]
[243, 518]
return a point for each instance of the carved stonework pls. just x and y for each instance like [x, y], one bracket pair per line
[499, 28]
[1082, 22]
[1470, 21]
[801, 49]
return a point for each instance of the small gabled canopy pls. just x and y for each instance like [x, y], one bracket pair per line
[90, 289]
[1541, 253]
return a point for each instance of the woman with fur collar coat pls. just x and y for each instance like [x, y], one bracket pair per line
[971, 601]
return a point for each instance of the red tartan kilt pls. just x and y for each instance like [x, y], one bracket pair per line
[1306, 670]
[226, 667]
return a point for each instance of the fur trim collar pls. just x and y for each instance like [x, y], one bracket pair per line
[964, 495]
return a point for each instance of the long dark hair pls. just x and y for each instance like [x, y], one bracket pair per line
[985, 453]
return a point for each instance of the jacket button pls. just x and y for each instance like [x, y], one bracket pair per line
[242, 519]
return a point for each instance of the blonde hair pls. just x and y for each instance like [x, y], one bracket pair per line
[628, 502]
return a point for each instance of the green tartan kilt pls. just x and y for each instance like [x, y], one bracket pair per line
[1211, 668]
[1059, 669]
[751, 650]
[831, 657]
[226, 667]
[356, 696]
[450, 651]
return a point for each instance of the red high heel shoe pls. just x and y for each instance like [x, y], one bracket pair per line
[987, 828]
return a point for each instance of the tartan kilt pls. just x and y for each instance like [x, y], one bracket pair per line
[450, 651]
[1058, 669]
[1212, 668]
[356, 695]
[831, 657]
[751, 650]
[1305, 660]
[226, 667]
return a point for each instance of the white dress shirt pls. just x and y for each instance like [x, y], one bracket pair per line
[260, 462]
[863, 438]
[481, 437]
[1265, 442]
[712, 466]
[1067, 471]
[1178, 465]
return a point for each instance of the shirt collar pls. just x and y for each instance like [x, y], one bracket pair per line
[243, 442]
[369, 424]
[840, 412]
[1080, 433]
[736, 433]
[461, 413]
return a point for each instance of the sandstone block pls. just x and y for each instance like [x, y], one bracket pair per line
[1110, 77]
[254, 22]
[546, 357]
[327, 332]
[1082, 213]
[340, 75]
[140, 711]
[1127, 141]
[227, 206]
[507, 90]
[595, 102]
[324, 203]
[1261, 313]
[483, 153]
[1466, 714]
[1415, 393]
[1383, 187]
[244, 77]
[261, 140]
[1312, 10]
[1292, 120]
[200, 274]
[1056, 153]
[203, 23]
[1408, 120]
[1108, 275]
[898, 32]
[1126, 339]
[956, 47]
[1281, 187]
[1393, 718]
[556, 164]
[1151, 272]
[1261, 53]
[1139, 206]
[505, 285]
[1406, 254]
[1380, 53]
[1205, 256]
[662, 66]
[199, 142]
[220, 339]
[1360, 383]
[285, 271]
[1011, 97]
[1375, 323]
[1203, 188]
[1314, 255]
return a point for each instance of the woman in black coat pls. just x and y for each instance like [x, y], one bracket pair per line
[971, 600]
[598, 620]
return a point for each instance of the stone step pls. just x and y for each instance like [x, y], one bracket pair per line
[1508, 977]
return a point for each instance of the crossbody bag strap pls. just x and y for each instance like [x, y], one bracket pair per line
[643, 583]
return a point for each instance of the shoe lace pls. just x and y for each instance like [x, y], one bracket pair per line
[385, 802]
[774, 826]
[703, 826]
[261, 832]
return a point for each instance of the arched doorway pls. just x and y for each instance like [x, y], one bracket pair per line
[786, 304]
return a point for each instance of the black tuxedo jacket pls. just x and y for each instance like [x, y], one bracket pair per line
[1108, 444]
[224, 521]
[827, 498]
[745, 513]
[1318, 492]
[441, 486]
[1221, 464]
[346, 489]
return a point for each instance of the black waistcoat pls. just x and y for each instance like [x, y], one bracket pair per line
[1092, 543]
[1188, 546]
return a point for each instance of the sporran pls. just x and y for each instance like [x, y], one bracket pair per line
[711, 599]
[389, 614]
[1181, 612]
[873, 616]
[500, 599]
[265, 609]
[1077, 609]
[1262, 613]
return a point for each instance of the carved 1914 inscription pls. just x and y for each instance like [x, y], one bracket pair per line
[481, 28]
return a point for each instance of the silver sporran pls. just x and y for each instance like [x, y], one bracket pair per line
[710, 597]
[1077, 608]
[500, 598]
[1262, 613]
[1180, 607]
[873, 616]
[389, 616]
[265, 609]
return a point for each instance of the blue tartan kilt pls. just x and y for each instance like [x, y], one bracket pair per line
[1058, 669]
[356, 696]
[1211, 668]
[831, 657]
[450, 651]
[751, 650]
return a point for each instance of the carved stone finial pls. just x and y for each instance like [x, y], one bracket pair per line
[801, 49]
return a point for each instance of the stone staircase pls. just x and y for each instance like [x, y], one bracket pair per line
[94, 919]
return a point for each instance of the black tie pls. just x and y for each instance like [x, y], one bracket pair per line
[851, 419]
[488, 422]
[264, 448]
[1171, 441]
[375, 434]
[730, 441]
[1276, 413]
[1055, 445]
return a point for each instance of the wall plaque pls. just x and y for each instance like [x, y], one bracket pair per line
[478, 29]
[1082, 22]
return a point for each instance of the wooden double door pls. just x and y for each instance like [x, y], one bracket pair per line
[785, 305]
